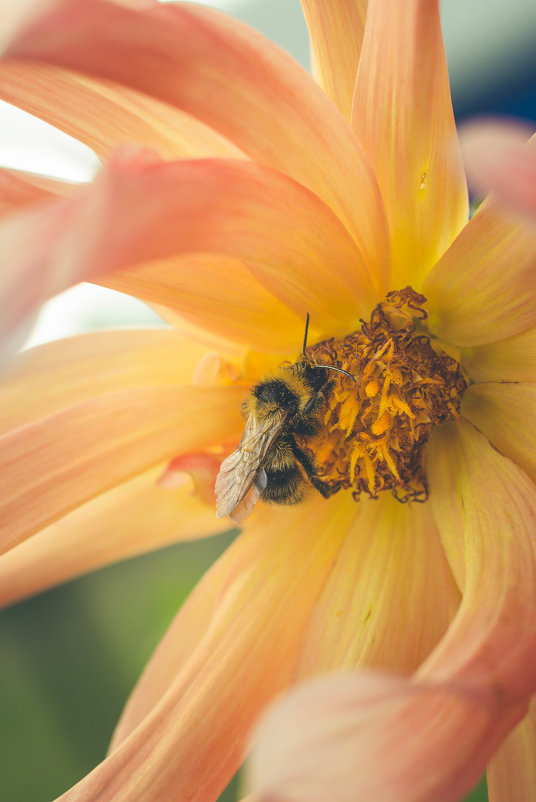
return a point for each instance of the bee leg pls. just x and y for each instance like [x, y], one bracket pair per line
[323, 488]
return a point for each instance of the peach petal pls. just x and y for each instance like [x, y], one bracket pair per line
[266, 104]
[336, 34]
[54, 464]
[402, 86]
[485, 509]
[141, 210]
[484, 288]
[511, 773]
[18, 189]
[230, 650]
[506, 413]
[103, 115]
[498, 159]
[133, 518]
[60, 374]
[374, 736]
[391, 568]
[218, 293]
[509, 360]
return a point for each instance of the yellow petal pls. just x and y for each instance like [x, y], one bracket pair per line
[336, 33]
[133, 518]
[511, 773]
[402, 114]
[232, 79]
[230, 650]
[390, 596]
[506, 413]
[484, 287]
[509, 360]
[103, 115]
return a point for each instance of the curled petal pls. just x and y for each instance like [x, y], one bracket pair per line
[373, 736]
[104, 116]
[511, 773]
[232, 647]
[493, 257]
[336, 34]
[266, 105]
[135, 517]
[402, 114]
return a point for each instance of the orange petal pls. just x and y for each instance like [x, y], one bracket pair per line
[133, 518]
[510, 360]
[402, 114]
[231, 78]
[390, 596]
[506, 413]
[512, 770]
[85, 432]
[373, 736]
[141, 211]
[232, 647]
[498, 159]
[103, 115]
[336, 33]
[17, 190]
[218, 293]
[484, 287]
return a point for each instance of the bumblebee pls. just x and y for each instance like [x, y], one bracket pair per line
[268, 463]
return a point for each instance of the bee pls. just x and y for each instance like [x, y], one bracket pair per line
[268, 463]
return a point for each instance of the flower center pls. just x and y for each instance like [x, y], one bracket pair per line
[374, 432]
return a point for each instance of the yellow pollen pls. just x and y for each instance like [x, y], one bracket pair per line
[374, 432]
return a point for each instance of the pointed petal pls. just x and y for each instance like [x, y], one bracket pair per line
[510, 360]
[506, 413]
[230, 650]
[219, 294]
[17, 190]
[336, 34]
[374, 736]
[139, 210]
[135, 517]
[103, 115]
[390, 596]
[69, 434]
[231, 78]
[402, 114]
[484, 287]
[512, 770]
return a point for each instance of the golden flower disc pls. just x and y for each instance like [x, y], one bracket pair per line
[374, 431]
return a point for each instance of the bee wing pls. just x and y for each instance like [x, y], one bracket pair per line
[242, 477]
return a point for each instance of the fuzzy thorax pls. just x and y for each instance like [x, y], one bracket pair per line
[373, 432]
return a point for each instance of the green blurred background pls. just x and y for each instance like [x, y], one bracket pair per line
[69, 658]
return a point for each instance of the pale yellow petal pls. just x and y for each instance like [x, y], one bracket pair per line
[509, 360]
[390, 596]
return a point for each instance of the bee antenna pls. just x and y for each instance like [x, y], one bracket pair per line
[339, 370]
[305, 335]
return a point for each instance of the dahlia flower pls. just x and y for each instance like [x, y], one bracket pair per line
[247, 197]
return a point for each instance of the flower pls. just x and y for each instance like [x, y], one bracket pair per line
[269, 198]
